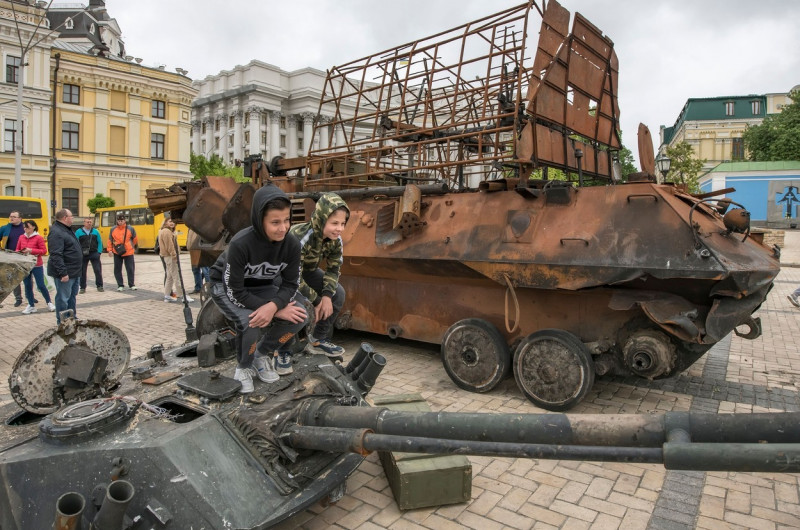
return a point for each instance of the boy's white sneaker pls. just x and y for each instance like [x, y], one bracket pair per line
[28, 310]
[264, 370]
[245, 377]
[51, 306]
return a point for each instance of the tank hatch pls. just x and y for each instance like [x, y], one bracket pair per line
[78, 421]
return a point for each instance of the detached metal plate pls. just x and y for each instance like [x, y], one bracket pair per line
[210, 384]
[32, 381]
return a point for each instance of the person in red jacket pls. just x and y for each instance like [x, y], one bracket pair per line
[122, 243]
[31, 243]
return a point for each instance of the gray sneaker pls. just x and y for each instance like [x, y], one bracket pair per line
[264, 370]
[244, 376]
[283, 363]
[793, 299]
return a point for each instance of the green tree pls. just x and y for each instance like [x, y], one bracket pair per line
[627, 162]
[200, 166]
[778, 136]
[685, 169]
[100, 201]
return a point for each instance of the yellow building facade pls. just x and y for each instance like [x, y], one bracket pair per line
[120, 128]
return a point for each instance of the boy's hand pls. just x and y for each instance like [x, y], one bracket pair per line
[262, 316]
[324, 309]
[294, 313]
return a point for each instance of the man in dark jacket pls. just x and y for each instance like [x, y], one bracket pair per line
[11, 233]
[91, 246]
[65, 263]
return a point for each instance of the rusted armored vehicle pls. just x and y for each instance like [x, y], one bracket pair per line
[91, 442]
[489, 215]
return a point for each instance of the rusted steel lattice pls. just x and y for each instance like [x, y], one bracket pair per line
[463, 106]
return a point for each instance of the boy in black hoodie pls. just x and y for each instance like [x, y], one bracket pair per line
[254, 283]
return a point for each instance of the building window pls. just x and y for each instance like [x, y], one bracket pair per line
[216, 125]
[10, 136]
[230, 121]
[737, 149]
[203, 150]
[283, 122]
[69, 23]
[12, 69]
[72, 94]
[283, 140]
[729, 108]
[263, 118]
[247, 137]
[69, 135]
[157, 146]
[119, 100]
[264, 138]
[755, 105]
[69, 199]
[117, 140]
[247, 117]
[203, 129]
[158, 109]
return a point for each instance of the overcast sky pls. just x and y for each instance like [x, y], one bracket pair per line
[668, 51]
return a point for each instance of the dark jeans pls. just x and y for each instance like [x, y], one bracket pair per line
[97, 268]
[200, 275]
[271, 338]
[129, 269]
[36, 274]
[324, 328]
[66, 294]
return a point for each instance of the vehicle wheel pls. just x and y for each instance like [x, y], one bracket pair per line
[554, 369]
[475, 355]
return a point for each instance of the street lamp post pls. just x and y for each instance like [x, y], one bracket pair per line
[663, 164]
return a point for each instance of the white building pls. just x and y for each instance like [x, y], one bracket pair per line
[259, 108]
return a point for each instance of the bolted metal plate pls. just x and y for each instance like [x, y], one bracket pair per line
[32, 382]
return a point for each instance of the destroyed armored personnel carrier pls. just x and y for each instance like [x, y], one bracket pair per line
[488, 213]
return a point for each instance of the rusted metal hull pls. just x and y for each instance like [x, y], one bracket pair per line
[13, 269]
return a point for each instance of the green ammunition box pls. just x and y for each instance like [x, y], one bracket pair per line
[422, 480]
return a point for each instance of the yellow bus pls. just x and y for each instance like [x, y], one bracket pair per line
[29, 208]
[141, 218]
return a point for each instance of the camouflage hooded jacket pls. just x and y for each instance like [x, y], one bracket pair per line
[318, 251]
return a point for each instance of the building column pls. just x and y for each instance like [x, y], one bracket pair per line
[275, 134]
[339, 132]
[324, 132]
[255, 130]
[308, 131]
[222, 139]
[209, 121]
[291, 136]
[197, 141]
[238, 134]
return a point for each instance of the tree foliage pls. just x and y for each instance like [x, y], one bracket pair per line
[685, 168]
[200, 166]
[778, 136]
[100, 201]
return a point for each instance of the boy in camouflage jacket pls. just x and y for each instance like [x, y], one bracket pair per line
[321, 244]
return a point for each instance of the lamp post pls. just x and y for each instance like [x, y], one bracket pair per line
[663, 164]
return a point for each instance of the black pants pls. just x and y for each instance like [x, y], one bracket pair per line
[269, 339]
[129, 269]
[97, 267]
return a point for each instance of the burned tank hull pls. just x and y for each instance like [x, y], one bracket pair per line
[192, 452]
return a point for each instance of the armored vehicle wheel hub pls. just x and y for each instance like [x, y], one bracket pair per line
[554, 369]
[649, 353]
[475, 355]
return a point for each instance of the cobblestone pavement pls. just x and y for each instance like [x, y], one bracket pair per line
[736, 376]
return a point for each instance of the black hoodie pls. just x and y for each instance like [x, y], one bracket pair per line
[252, 261]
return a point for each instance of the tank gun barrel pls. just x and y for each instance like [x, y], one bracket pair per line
[767, 442]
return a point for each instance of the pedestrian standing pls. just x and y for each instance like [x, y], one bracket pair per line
[66, 260]
[201, 274]
[170, 254]
[122, 243]
[31, 243]
[12, 232]
[91, 247]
